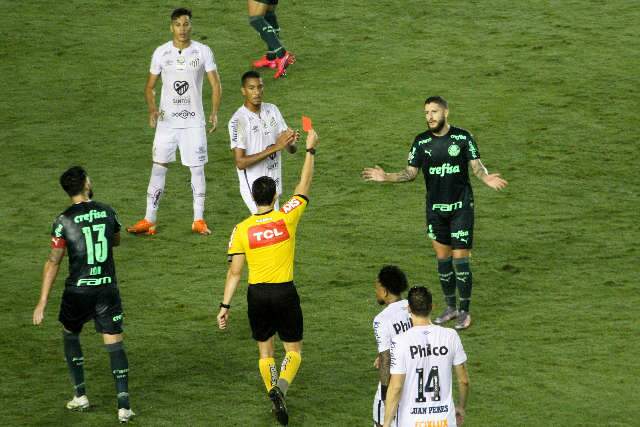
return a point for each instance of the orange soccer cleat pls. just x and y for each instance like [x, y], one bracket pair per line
[264, 62]
[282, 64]
[143, 227]
[200, 227]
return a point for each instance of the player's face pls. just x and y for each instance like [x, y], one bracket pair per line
[381, 293]
[181, 29]
[252, 91]
[436, 116]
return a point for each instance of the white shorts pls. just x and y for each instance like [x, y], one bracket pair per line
[192, 143]
[245, 192]
[378, 408]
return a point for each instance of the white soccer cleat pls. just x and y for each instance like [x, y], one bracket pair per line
[125, 415]
[78, 403]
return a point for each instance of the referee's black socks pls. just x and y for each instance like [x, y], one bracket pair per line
[463, 281]
[120, 370]
[447, 280]
[75, 361]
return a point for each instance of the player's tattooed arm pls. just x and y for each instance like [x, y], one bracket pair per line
[378, 174]
[49, 274]
[493, 180]
[384, 367]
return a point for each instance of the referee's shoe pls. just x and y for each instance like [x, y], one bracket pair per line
[279, 405]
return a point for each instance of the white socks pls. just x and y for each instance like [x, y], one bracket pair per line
[199, 188]
[154, 191]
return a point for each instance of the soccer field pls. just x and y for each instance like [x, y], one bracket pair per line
[550, 91]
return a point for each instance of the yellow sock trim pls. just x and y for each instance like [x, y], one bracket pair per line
[290, 366]
[268, 372]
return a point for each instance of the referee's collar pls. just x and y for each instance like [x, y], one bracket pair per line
[264, 213]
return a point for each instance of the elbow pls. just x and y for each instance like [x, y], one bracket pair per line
[241, 165]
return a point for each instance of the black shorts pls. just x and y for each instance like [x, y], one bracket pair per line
[453, 228]
[275, 307]
[269, 2]
[100, 303]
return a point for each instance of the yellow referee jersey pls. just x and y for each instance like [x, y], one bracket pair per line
[268, 241]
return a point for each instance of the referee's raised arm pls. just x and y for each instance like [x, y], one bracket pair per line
[307, 168]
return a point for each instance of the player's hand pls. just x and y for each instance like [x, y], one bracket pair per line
[153, 118]
[285, 139]
[495, 181]
[213, 120]
[460, 416]
[373, 174]
[376, 363]
[223, 315]
[38, 313]
[312, 139]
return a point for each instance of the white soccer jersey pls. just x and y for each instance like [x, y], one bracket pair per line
[391, 321]
[254, 132]
[182, 73]
[426, 355]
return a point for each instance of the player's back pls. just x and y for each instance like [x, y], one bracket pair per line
[426, 355]
[391, 321]
[88, 230]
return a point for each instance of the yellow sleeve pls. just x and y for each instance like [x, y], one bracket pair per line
[294, 208]
[235, 243]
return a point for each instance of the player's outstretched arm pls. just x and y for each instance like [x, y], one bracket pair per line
[493, 180]
[49, 275]
[150, 97]
[379, 175]
[216, 95]
[304, 185]
[393, 398]
[243, 160]
[463, 392]
[233, 278]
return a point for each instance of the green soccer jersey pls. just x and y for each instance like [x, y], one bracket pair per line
[444, 161]
[87, 230]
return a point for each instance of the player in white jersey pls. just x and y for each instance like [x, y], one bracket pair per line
[422, 361]
[180, 122]
[391, 321]
[258, 133]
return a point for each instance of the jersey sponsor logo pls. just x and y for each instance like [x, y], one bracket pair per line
[454, 150]
[290, 205]
[184, 114]
[460, 233]
[181, 87]
[445, 169]
[267, 234]
[424, 141]
[430, 232]
[118, 318]
[421, 351]
[58, 230]
[439, 423]
[90, 216]
[473, 150]
[94, 282]
[186, 100]
[58, 243]
[459, 137]
[445, 207]
[402, 326]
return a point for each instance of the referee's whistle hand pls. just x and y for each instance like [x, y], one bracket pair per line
[223, 315]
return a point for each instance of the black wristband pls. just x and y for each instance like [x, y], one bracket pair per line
[383, 392]
[223, 305]
[312, 151]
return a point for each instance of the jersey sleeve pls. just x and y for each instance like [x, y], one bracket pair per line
[398, 365]
[472, 152]
[156, 66]
[237, 134]
[381, 332]
[209, 60]
[416, 155]
[281, 125]
[57, 234]
[294, 208]
[459, 356]
[235, 243]
[116, 222]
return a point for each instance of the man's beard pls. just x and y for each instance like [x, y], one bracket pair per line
[380, 301]
[438, 127]
[90, 193]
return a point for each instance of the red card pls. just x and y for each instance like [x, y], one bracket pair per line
[306, 124]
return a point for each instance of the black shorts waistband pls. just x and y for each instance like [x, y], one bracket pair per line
[290, 283]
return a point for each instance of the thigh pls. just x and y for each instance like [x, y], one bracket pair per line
[76, 309]
[165, 144]
[108, 312]
[258, 7]
[261, 318]
[462, 229]
[288, 314]
[193, 146]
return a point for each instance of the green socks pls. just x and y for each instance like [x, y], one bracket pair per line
[447, 281]
[120, 370]
[463, 281]
[75, 361]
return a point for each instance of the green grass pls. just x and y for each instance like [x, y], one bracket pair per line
[549, 89]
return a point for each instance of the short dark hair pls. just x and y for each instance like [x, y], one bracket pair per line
[251, 74]
[73, 180]
[263, 190]
[393, 279]
[437, 100]
[420, 301]
[181, 11]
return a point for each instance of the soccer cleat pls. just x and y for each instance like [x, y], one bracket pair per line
[276, 396]
[283, 63]
[143, 227]
[125, 415]
[200, 227]
[264, 62]
[448, 314]
[78, 403]
[464, 320]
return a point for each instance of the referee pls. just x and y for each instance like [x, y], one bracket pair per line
[266, 240]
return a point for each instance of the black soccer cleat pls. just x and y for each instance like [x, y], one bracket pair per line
[280, 407]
